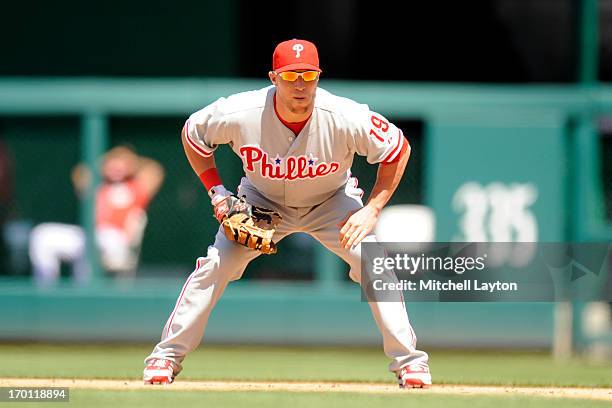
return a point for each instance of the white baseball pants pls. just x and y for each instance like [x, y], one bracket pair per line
[226, 261]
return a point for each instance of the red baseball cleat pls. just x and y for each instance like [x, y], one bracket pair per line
[159, 371]
[414, 376]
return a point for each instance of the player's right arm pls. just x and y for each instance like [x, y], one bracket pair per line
[198, 163]
[200, 136]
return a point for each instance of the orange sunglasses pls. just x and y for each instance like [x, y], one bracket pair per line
[292, 76]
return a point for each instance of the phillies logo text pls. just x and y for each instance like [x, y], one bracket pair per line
[296, 167]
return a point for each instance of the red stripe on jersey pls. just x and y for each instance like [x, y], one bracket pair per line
[400, 138]
[192, 144]
[401, 153]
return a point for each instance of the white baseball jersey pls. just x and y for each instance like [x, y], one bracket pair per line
[300, 171]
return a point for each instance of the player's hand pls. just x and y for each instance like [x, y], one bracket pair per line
[219, 202]
[357, 225]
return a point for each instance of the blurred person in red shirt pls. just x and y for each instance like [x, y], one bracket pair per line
[129, 183]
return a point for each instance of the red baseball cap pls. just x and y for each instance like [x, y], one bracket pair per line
[295, 54]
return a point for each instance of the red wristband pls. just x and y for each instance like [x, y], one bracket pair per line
[210, 178]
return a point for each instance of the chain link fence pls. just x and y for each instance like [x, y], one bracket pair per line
[40, 154]
[37, 157]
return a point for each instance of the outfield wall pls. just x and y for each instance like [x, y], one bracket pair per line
[538, 146]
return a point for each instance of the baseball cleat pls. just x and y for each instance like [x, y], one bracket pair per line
[414, 376]
[159, 371]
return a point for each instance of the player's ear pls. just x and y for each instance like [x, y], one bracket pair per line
[272, 77]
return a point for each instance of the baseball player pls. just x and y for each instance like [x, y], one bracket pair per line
[297, 143]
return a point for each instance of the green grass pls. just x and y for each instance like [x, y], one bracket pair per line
[298, 364]
[167, 398]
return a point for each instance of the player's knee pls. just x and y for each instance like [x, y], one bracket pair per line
[223, 261]
[208, 265]
[355, 275]
[355, 258]
[233, 261]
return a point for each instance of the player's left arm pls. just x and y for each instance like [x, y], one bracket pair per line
[360, 223]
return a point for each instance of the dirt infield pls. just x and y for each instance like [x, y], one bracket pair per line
[554, 392]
